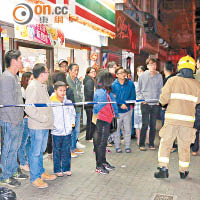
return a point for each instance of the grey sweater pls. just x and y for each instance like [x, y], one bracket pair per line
[10, 90]
[149, 87]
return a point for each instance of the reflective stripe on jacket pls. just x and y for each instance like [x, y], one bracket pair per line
[181, 95]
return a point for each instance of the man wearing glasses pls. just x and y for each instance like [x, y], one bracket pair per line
[124, 90]
[40, 120]
[150, 84]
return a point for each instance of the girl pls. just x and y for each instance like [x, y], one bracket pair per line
[105, 113]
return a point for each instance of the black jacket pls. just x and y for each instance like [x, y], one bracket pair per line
[88, 83]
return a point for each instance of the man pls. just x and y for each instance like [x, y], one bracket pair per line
[40, 120]
[195, 146]
[124, 90]
[149, 88]
[76, 85]
[182, 94]
[11, 119]
[63, 65]
[168, 72]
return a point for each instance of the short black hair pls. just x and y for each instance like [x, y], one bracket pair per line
[143, 68]
[169, 66]
[59, 84]
[59, 76]
[118, 68]
[12, 54]
[105, 80]
[38, 69]
[111, 64]
[71, 66]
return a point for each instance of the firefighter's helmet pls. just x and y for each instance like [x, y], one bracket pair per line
[186, 62]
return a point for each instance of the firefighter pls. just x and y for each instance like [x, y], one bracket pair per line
[182, 94]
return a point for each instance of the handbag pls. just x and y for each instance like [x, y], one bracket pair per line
[113, 125]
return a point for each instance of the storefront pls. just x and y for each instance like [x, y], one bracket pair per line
[127, 42]
[35, 44]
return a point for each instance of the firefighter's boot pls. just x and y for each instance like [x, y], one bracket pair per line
[163, 173]
[183, 175]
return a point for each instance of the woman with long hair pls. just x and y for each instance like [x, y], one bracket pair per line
[105, 113]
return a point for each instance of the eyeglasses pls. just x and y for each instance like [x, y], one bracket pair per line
[93, 72]
[121, 73]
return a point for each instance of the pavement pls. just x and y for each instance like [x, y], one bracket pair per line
[131, 180]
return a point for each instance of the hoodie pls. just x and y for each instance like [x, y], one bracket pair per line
[64, 117]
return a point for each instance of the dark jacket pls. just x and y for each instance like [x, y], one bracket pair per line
[88, 83]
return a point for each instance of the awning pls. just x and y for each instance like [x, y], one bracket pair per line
[97, 14]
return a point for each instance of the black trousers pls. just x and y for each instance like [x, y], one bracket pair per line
[100, 141]
[49, 144]
[149, 115]
[90, 128]
[195, 146]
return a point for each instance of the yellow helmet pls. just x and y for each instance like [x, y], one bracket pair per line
[186, 62]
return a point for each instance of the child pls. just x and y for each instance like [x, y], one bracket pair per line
[64, 120]
[105, 113]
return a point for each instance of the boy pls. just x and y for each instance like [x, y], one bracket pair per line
[64, 120]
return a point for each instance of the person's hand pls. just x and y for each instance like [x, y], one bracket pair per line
[144, 102]
[73, 125]
[124, 107]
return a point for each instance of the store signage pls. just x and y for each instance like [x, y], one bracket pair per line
[41, 33]
[150, 43]
[127, 33]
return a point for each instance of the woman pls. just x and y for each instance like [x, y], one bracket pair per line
[23, 152]
[88, 83]
[105, 113]
[137, 109]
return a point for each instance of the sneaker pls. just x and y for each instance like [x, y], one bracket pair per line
[39, 183]
[78, 151]
[108, 166]
[19, 175]
[25, 168]
[10, 182]
[74, 155]
[68, 173]
[48, 177]
[102, 170]
[80, 146]
[59, 174]
[142, 148]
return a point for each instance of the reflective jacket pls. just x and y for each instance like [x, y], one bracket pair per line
[181, 94]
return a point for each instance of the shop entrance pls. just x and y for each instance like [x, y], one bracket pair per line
[33, 53]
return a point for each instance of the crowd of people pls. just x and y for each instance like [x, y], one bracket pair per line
[28, 132]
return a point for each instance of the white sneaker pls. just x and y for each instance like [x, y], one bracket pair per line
[80, 146]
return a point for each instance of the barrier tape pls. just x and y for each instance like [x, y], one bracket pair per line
[42, 105]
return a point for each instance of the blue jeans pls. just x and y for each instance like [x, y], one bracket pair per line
[12, 137]
[24, 150]
[76, 130]
[38, 146]
[62, 153]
